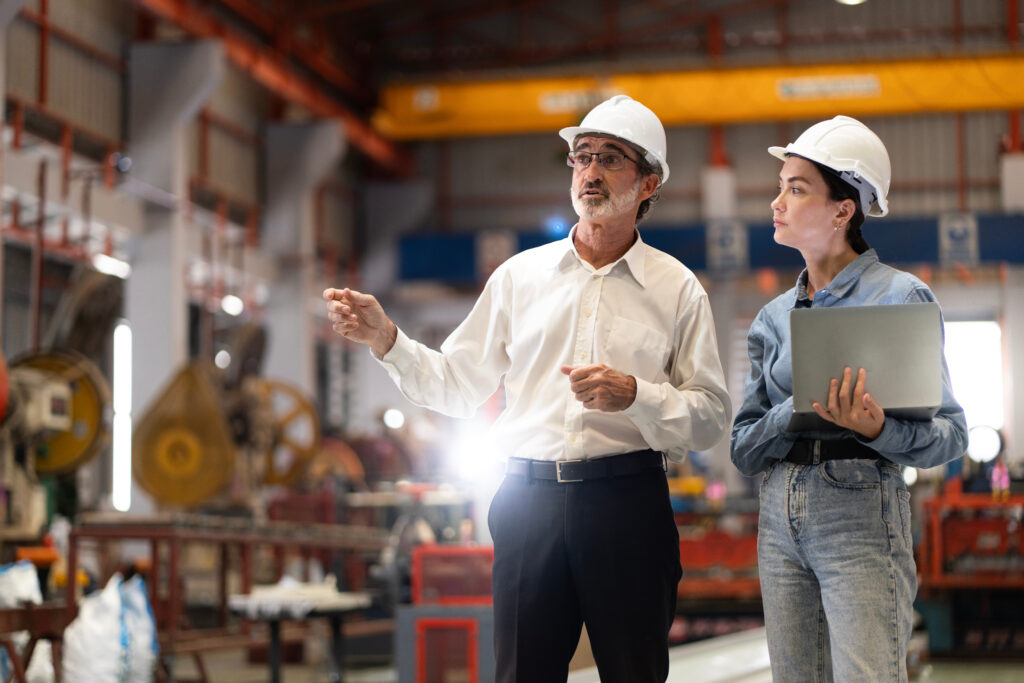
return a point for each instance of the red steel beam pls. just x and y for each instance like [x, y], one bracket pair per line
[335, 8]
[281, 34]
[65, 36]
[279, 77]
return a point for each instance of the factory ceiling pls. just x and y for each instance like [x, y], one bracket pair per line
[346, 58]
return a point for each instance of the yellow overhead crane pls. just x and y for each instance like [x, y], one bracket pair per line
[710, 96]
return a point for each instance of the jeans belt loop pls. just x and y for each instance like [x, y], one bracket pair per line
[816, 457]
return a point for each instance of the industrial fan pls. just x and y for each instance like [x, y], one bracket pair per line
[215, 433]
[53, 419]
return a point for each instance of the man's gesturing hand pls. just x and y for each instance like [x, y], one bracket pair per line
[598, 387]
[361, 318]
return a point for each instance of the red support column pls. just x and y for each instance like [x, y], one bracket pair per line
[1012, 23]
[714, 31]
[44, 50]
[718, 154]
[1014, 143]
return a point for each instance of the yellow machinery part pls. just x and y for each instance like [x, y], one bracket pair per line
[700, 97]
[182, 451]
[296, 430]
[90, 397]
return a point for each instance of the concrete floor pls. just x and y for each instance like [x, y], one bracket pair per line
[232, 667]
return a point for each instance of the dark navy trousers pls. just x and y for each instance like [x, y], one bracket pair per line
[604, 552]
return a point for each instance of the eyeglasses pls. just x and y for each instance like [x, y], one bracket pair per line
[612, 161]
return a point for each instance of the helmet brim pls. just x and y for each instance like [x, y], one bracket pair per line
[878, 208]
[570, 133]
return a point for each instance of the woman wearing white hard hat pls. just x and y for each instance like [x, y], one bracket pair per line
[835, 555]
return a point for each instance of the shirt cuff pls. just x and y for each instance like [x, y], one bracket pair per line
[400, 356]
[648, 398]
[884, 441]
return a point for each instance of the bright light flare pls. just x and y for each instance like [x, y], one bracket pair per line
[121, 477]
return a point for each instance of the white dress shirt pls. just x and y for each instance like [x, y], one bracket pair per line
[645, 315]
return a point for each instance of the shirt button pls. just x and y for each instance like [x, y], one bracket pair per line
[582, 356]
[587, 314]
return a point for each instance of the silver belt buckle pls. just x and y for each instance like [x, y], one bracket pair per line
[558, 471]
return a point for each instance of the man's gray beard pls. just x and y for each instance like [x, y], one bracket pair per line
[604, 207]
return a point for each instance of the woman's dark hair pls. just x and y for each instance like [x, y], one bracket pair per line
[838, 190]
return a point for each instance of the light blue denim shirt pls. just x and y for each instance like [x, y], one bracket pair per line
[759, 435]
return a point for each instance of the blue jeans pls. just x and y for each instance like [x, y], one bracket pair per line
[837, 570]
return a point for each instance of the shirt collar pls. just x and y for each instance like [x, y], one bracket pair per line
[634, 259]
[844, 281]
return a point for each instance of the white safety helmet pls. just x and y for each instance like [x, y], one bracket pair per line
[849, 148]
[627, 119]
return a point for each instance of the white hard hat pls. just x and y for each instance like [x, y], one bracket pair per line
[627, 119]
[853, 151]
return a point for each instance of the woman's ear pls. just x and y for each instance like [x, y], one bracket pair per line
[845, 210]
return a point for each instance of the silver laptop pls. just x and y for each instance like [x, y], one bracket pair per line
[900, 346]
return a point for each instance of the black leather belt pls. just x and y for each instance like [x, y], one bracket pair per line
[814, 452]
[568, 471]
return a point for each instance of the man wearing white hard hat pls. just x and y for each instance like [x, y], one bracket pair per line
[610, 364]
[835, 555]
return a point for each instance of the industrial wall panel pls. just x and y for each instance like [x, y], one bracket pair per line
[499, 166]
[234, 166]
[23, 60]
[83, 91]
[923, 152]
[105, 24]
[747, 149]
[981, 11]
[239, 99]
[517, 181]
[983, 137]
[338, 221]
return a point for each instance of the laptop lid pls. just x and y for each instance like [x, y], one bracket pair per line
[900, 347]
